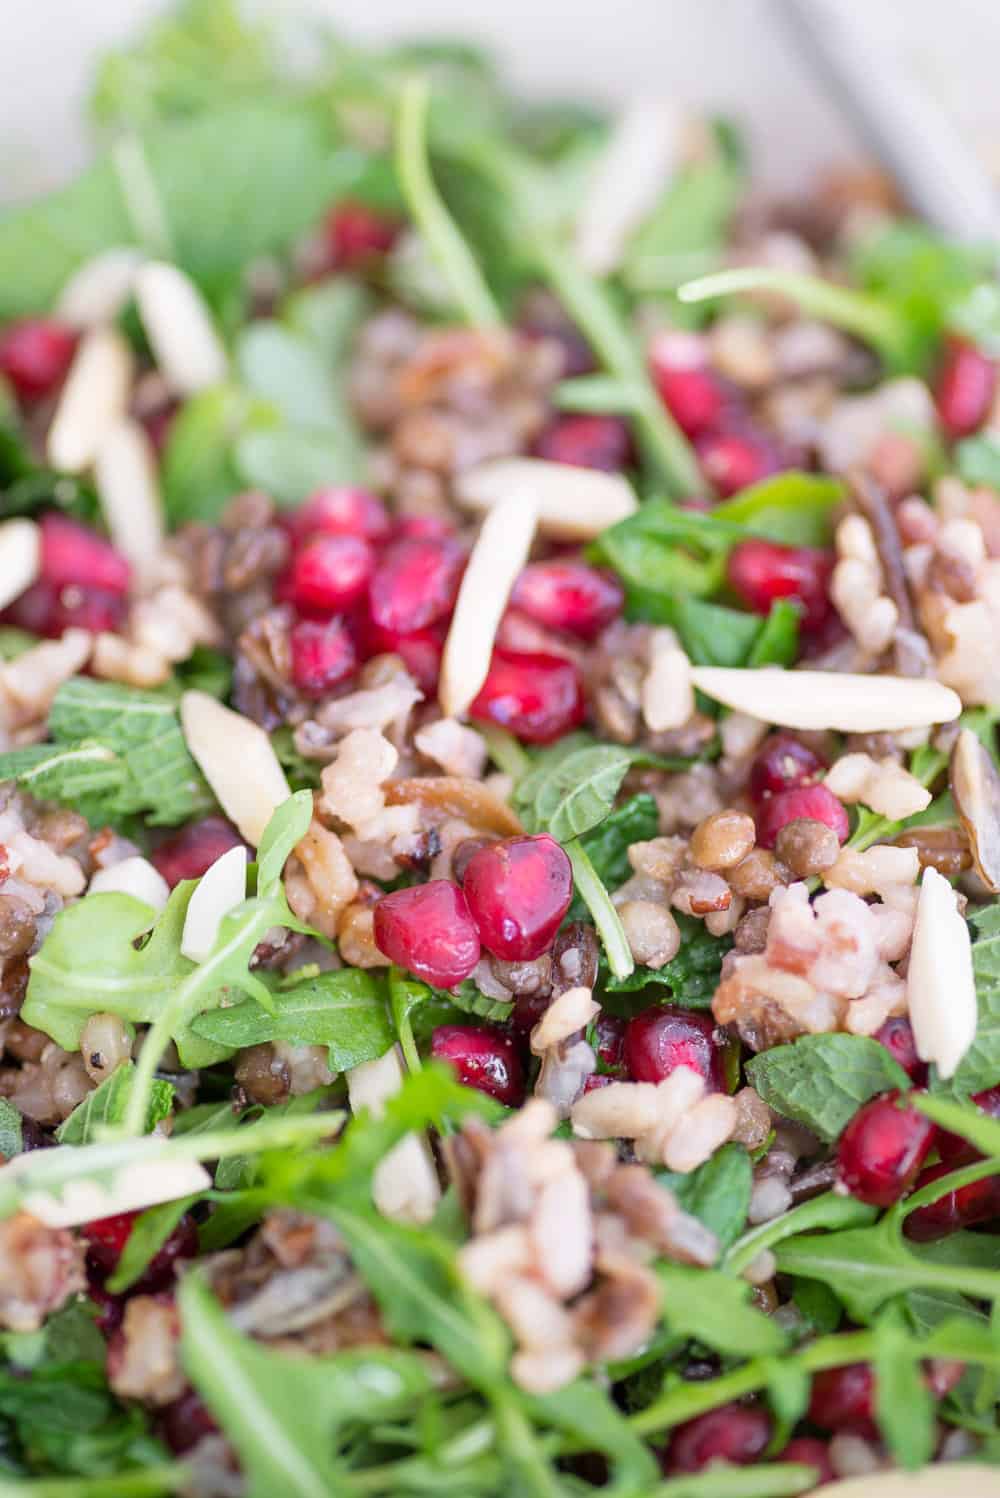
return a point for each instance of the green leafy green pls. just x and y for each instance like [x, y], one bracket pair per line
[904, 1406]
[150, 1232]
[714, 1308]
[717, 1193]
[978, 460]
[691, 977]
[980, 1066]
[199, 475]
[822, 1080]
[569, 793]
[606, 845]
[11, 1130]
[106, 1105]
[794, 508]
[686, 232]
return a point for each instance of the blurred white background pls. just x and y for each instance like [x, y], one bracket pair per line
[728, 53]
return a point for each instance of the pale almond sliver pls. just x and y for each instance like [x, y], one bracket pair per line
[93, 400]
[830, 699]
[237, 759]
[179, 327]
[128, 489]
[940, 984]
[574, 504]
[20, 558]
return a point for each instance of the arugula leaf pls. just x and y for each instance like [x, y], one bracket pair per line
[904, 1406]
[980, 1066]
[287, 827]
[714, 1308]
[792, 507]
[691, 977]
[106, 1105]
[199, 475]
[978, 461]
[150, 1232]
[717, 1193]
[687, 230]
[11, 1130]
[821, 1080]
[777, 644]
[290, 463]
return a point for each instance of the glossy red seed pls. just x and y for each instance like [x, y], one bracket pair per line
[358, 234]
[110, 1308]
[844, 1399]
[184, 1422]
[422, 528]
[428, 930]
[46, 610]
[955, 1149]
[761, 572]
[897, 1037]
[882, 1149]
[663, 1037]
[691, 391]
[106, 1238]
[783, 764]
[328, 574]
[416, 583]
[483, 1058]
[518, 892]
[734, 1433]
[810, 1451]
[341, 511]
[420, 651]
[73, 553]
[965, 387]
[538, 698]
[597, 1079]
[322, 655]
[35, 354]
[570, 596]
[811, 802]
[609, 1041]
[192, 850]
[161, 1271]
[965, 1208]
[602, 442]
[732, 461]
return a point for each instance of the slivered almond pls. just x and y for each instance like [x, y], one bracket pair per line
[944, 1480]
[179, 327]
[143, 1184]
[93, 400]
[830, 699]
[405, 1185]
[20, 554]
[975, 786]
[573, 503]
[238, 761]
[220, 889]
[667, 694]
[132, 876]
[940, 986]
[631, 174]
[127, 487]
[98, 291]
[500, 552]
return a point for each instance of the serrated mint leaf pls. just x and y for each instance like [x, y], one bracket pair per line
[11, 1130]
[106, 1105]
[575, 793]
[717, 1193]
[822, 1080]
[690, 978]
[980, 1066]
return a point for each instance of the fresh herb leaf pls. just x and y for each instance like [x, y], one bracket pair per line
[818, 1305]
[567, 794]
[980, 1066]
[635, 821]
[106, 1106]
[199, 475]
[777, 643]
[687, 231]
[287, 827]
[822, 1080]
[150, 1232]
[691, 977]
[717, 1193]
[978, 461]
[603, 913]
[714, 1308]
[904, 1406]
[794, 508]
[11, 1130]
[290, 463]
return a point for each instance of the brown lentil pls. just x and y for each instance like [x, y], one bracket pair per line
[723, 839]
[808, 847]
[758, 874]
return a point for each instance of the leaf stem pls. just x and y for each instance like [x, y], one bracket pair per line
[780, 1480]
[826, 1211]
[598, 902]
[504, 750]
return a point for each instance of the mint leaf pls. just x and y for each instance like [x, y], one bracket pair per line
[567, 794]
[717, 1193]
[106, 1105]
[822, 1080]
[199, 474]
[980, 1066]
[11, 1130]
[691, 977]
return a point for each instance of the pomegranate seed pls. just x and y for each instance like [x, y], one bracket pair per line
[965, 387]
[528, 1010]
[609, 1041]
[330, 573]
[106, 1238]
[416, 583]
[598, 1079]
[569, 596]
[323, 655]
[783, 764]
[420, 651]
[882, 1149]
[423, 528]
[185, 1421]
[110, 1308]
[732, 461]
[35, 355]
[357, 234]
[483, 1058]
[664, 1037]
[897, 1037]
[761, 572]
[964, 1208]
[811, 1452]
[537, 697]
[733, 1433]
[602, 442]
[46, 610]
[812, 802]
[690, 390]
[955, 1149]
[72, 553]
[192, 850]
[428, 930]
[341, 511]
[844, 1399]
[518, 892]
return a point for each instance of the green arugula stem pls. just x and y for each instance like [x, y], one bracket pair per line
[781, 1480]
[519, 1441]
[453, 256]
[401, 1018]
[505, 751]
[602, 394]
[138, 1482]
[598, 902]
[933, 1192]
[826, 1211]
[141, 197]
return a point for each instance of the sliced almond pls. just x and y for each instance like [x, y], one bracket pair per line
[238, 760]
[129, 492]
[573, 503]
[940, 985]
[20, 555]
[455, 796]
[405, 1185]
[130, 1189]
[630, 176]
[830, 699]
[943, 1480]
[667, 693]
[179, 327]
[975, 786]
[220, 889]
[98, 291]
[132, 876]
[500, 552]
[93, 400]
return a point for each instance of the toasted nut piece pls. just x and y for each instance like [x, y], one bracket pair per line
[975, 785]
[133, 1187]
[99, 290]
[20, 554]
[179, 328]
[828, 699]
[405, 1184]
[630, 175]
[667, 694]
[127, 486]
[940, 985]
[132, 876]
[93, 400]
[500, 552]
[947, 1480]
[575, 503]
[238, 761]
[220, 889]
[454, 796]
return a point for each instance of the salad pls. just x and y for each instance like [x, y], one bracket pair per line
[500, 816]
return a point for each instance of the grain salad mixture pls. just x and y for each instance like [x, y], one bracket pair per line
[499, 804]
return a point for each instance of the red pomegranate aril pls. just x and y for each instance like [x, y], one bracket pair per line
[761, 572]
[323, 655]
[663, 1037]
[330, 573]
[598, 1079]
[341, 511]
[810, 1451]
[483, 1058]
[691, 391]
[422, 528]
[965, 1208]
[570, 596]
[416, 583]
[602, 442]
[518, 891]
[965, 387]
[357, 234]
[46, 610]
[72, 553]
[420, 651]
[609, 1041]
[732, 461]
[106, 1238]
[736, 1434]
[192, 850]
[844, 1399]
[35, 355]
[536, 697]
[882, 1149]
[955, 1149]
[783, 764]
[814, 803]
[110, 1308]
[184, 1422]
[897, 1037]
[428, 930]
